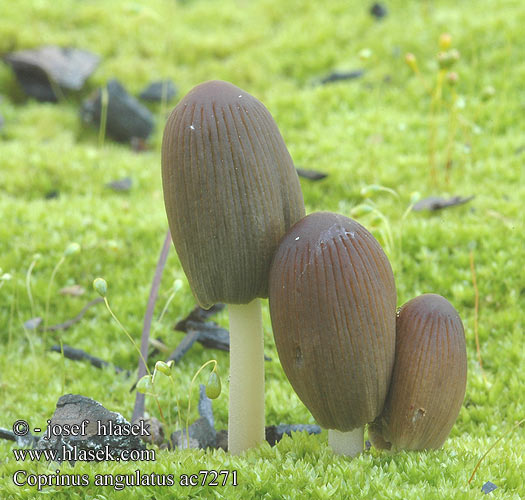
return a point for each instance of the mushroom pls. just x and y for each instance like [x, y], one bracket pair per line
[231, 192]
[429, 377]
[333, 304]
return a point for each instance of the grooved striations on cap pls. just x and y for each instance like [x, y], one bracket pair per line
[230, 189]
[429, 377]
[333, 310]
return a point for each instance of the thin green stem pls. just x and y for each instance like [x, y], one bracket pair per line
[140, 354]
[165, 308]
[53, 274]
[28, 287]
[452, 126]
[128, 335]
[189, 396]
[104, 101]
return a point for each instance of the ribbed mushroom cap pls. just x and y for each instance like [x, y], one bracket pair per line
[333, 309]
[429, 377]
[230, 189]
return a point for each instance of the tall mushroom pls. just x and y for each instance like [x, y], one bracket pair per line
[333, 306]
[231, 192]
[429, 377]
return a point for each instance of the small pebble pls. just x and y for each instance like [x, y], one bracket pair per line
[378, 10]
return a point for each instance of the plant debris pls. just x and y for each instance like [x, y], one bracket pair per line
[44, 71]
[208, 334]
[126, 116]
[80, 355]
[154, 91]
[274, 433]
[433, 203]
[488, 487]
[198, 314]
[138, 407]
[337, 76]
[313, 175]
[73, 290]
[378, 10]
[26, 441]
[35, 323]
[123, 184]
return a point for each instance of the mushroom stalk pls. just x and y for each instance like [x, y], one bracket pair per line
[246, 411]
[346, 443]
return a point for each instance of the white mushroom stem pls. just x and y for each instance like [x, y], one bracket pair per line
[349, 443]
[246, 412]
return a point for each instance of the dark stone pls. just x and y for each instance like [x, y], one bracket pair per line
[121, 184]
[205, 406]
[52, 194]
[222, 439]
[202, 435]
[274, 433]
[126, 117]
[154, 91]
[337, 76]
[156, 430]
[42, 71]
[378, 10]
[488, 487]
[74, 409]
[313, 175]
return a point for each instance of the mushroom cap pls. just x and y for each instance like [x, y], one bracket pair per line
[429, 377]
[230, 190]
[333, 310]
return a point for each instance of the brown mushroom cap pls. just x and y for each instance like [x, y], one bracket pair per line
[429, 377]
[333, 306]
[230, 189]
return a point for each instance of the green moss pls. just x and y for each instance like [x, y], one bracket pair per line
[374, 130]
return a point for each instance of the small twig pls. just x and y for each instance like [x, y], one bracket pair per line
[7, 434]
[184, 346]
[76, 319]
[476, 309]
[138, 409]
[80, 355]
[517, 424]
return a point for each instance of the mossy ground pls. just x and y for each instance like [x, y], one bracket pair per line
[374, 130]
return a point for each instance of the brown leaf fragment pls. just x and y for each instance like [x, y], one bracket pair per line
[433, 203]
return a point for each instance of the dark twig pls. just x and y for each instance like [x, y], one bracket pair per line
[208, 334]
[72, 321]
[184, 346]
[138, 409]
[80, 355]
[7, 434]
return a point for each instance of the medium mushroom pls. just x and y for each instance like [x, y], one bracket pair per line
[429, 377]
[231, 192]
[333, 305]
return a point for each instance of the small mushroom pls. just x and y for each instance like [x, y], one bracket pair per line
[429, 377]
[231, 192]
[333, 305]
